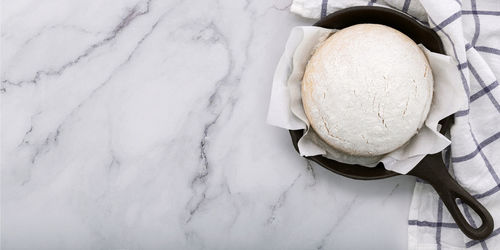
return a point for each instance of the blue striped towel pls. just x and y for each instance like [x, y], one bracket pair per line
[470, 32]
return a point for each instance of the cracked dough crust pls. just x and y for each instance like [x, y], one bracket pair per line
[367, 90]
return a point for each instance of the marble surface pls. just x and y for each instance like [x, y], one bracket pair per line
[141, 125]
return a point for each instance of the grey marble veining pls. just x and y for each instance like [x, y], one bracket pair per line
[141, 125]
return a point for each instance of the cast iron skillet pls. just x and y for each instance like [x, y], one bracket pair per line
[431, 168]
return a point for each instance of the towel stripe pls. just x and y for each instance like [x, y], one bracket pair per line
[481, 12]
[324, 7]
[406, 6]
[477, 28]
[431, 224]
[479, 147]
[440, 224]
[447, 21]
[483, 85]
[483, 91]
[488, 50]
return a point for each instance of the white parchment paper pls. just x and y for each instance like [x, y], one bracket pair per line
[286, 110]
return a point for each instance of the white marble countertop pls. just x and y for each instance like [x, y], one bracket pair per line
[141, 125]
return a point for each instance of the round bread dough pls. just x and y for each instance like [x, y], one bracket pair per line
[367, 90]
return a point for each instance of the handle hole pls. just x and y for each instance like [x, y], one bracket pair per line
[469, 213]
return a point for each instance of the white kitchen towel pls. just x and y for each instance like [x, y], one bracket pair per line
[470, 32]
[286, 110]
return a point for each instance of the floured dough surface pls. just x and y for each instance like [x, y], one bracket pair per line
[367, 90]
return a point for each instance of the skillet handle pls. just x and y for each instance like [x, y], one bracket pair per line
[432, 170]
